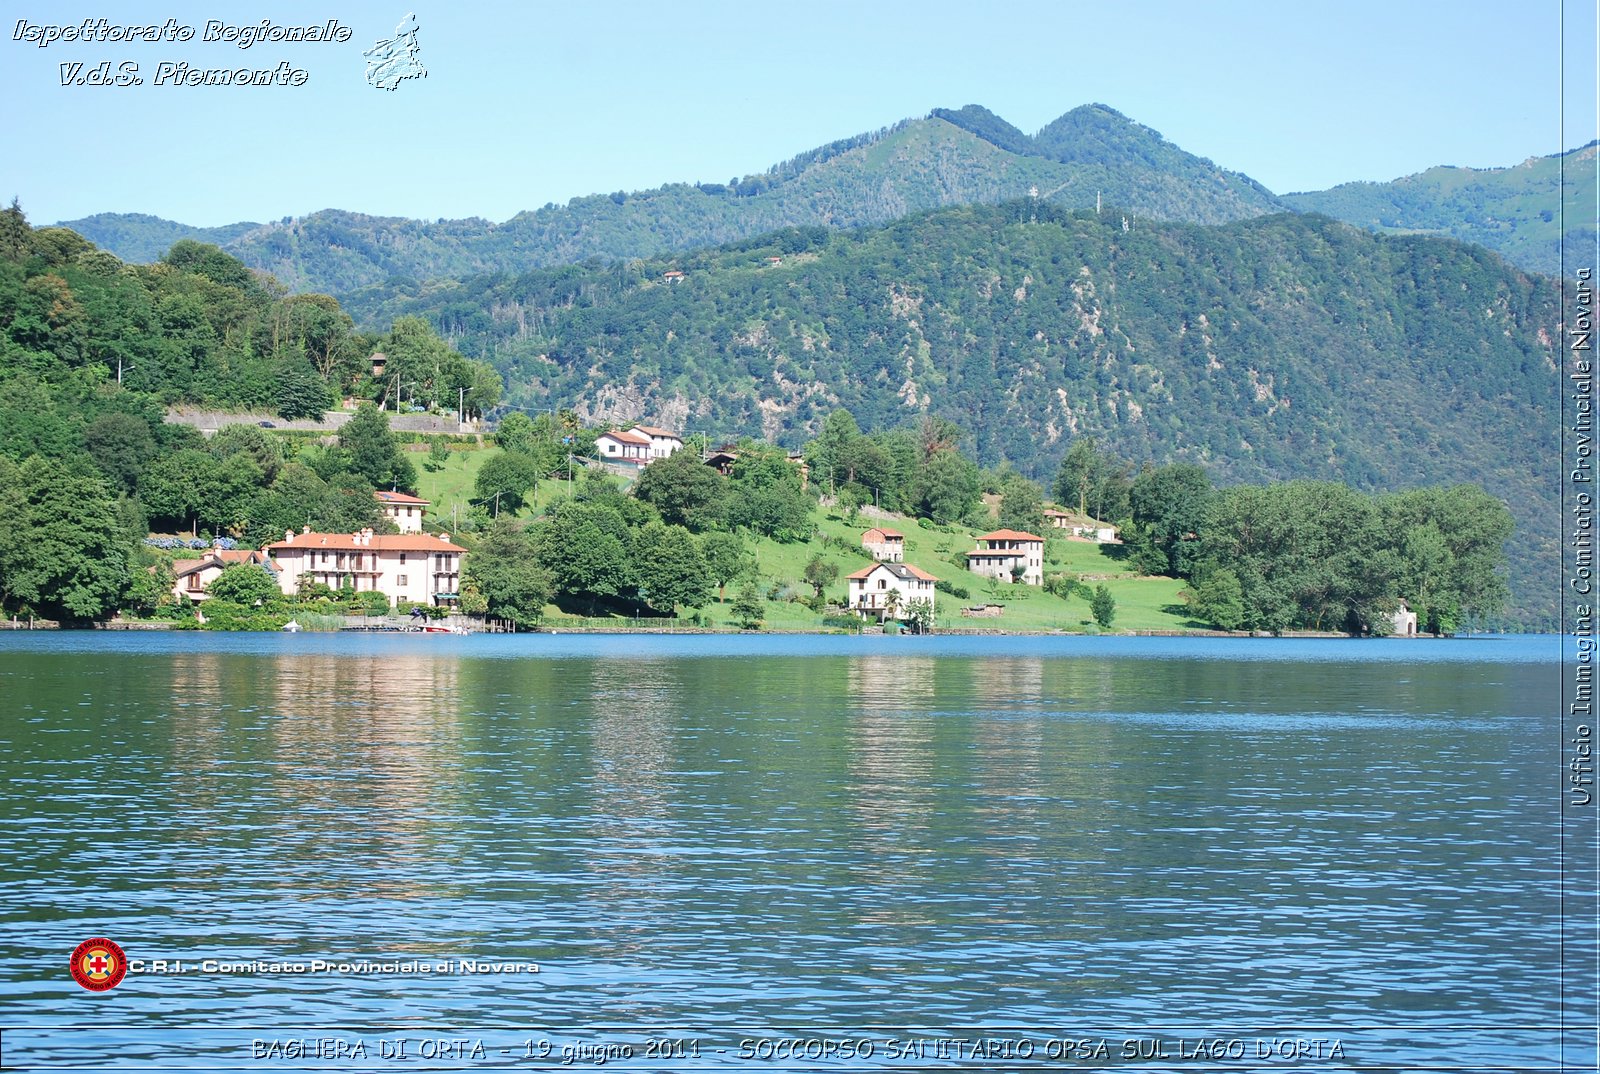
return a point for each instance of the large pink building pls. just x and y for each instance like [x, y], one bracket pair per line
[416, 567]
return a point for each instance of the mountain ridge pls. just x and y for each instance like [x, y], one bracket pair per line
[924, 163]
[1271, 348]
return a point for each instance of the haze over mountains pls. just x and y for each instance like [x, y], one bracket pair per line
[950, 157]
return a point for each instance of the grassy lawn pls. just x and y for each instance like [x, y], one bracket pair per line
[449, 489]
[1142, 603]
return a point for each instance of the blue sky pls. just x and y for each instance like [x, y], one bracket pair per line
[536, 102]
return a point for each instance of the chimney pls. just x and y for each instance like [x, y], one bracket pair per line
[288, 536]
[305, 529]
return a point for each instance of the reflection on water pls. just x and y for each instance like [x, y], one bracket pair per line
[818, 832]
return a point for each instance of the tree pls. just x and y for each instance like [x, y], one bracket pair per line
[438, 454]
[515, 433]
[302, 394]
[765, 495]
[685, 490]
[919, 615]
[1094, 482]
[171, 488]
[1021, 505]
[253, 441]
[1218, 600]
[121, 446]
[669, 569]
[948, 486]
[245, 583]
[63, 552]
[1103, 607]
[828, 453]
[748, 605]
[503, 573]
[726, 558]
[821, 573]
[1169, 507]
[504, 479]
[584, 547]
[372, 452]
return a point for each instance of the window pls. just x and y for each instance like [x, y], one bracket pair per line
[194, 582]
[402, 557]
[400, 579]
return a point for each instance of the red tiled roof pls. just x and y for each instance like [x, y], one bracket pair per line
[1010, 535]
[625, 438]
[385, 542]
[651, 430]
[398, 497]
[891, 534]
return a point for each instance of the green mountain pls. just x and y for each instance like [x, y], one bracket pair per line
[1278, 347]
[1514, 211]
[947, 158]
[142, 239]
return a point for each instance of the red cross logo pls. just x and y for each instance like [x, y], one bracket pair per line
[99, 964]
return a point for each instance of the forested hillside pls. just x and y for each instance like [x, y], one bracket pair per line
[948, 158]
[1279, 347]
[141, 238]
[1514, 211]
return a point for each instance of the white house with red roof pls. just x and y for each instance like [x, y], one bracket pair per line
[884, 544]
[639, 445]
[417, 567]
[662, 442]
[190, 577]
[874, 590]
[403, 510]
[623, 446]
[999, 555]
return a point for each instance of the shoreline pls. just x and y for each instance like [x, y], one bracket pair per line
[135, 625]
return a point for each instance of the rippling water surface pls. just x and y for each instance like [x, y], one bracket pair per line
[1129, 838]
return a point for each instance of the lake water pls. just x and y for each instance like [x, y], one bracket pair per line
[781, 852]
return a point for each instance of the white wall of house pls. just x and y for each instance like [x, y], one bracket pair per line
[871, 594]
[415, 568]
[407, 517]
[884, 548]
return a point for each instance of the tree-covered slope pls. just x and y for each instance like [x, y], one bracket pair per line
[142, 239]
[948, 158]
[1514, 211]
[1278, 347]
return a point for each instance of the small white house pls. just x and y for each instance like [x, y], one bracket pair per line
[403, 510]
[662, 442]
[885, 545]
[874, 590]
[620, 446]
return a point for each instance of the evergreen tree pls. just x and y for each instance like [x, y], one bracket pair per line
[372, 452]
